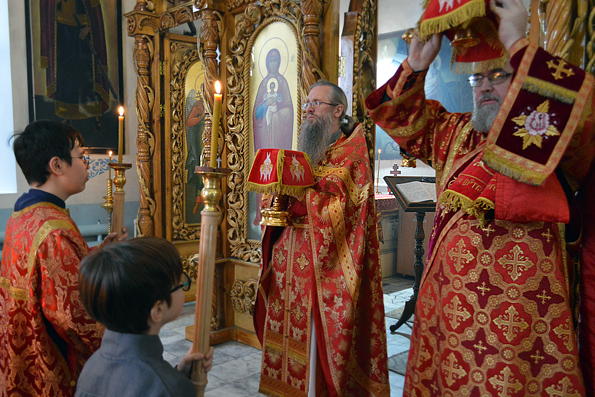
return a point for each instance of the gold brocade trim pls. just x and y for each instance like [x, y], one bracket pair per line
[345, 258]
[356, 195]
[13, 292]
[273, 348]
[549, 90]
[412, 129]
[297, 357]
[562, 231]
[43, 62]
[460, 138]
[404, 97]
[452, 201]
[41, 235]
[475, 8]
[376, 389]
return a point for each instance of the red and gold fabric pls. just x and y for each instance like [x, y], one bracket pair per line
[280, 171]
[494, 311]
[325, 268]
[442, 15]
[38, 298]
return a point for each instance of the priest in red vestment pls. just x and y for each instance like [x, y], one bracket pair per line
[319, 310]
[494, 314]
[45, 334]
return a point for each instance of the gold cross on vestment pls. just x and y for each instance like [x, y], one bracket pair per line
[544, 297]
[456, 312]
[564, 388]
[505, 382]
[460, 256]
[483, 289]
[511, 321]
[488, 230]
[517, 263]
[536, 357]
[547, 235]
[452, 369]
[559, 69]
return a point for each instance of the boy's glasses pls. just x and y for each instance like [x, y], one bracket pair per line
[85, 157]
[185, 285]
[495, 78]
[316, 104]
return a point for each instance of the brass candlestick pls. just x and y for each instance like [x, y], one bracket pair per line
[118, 203]
[109, 205]
[277, 214]
[210, 216]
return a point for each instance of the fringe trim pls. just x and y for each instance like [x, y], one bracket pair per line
[453, 201]
[276, 188]
[475, 8]
[270, 392]
[549, 90]
[512, 170]
[476, 67]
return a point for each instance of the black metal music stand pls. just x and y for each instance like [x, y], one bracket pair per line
[420, 210]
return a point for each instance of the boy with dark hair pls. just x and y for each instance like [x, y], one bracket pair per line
[135, 288]
[45, 335]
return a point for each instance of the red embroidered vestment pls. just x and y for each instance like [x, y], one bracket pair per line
[494, 316]
[40, 306]
[326, 267]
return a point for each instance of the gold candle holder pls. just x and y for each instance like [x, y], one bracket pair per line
[210, 217]
[118, 202]
[108, 206]
[277, 214]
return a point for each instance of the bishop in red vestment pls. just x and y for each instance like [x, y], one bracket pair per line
[319, 311]
[494, 313]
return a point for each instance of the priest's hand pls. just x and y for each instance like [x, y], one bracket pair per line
[421, 54]
[512, 18]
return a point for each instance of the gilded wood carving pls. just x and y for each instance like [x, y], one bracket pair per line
[254, 19]
[183, 57]
[364, 68]
[243, 296]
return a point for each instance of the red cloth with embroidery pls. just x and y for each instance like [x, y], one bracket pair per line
[493, 293]
[325, 268]
[39, 290]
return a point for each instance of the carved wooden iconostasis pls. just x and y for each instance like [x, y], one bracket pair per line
[258, 50]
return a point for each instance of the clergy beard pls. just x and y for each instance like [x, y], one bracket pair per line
[484, 115]
[316, 137]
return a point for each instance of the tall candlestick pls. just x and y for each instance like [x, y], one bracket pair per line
[120, 134]
[378, 173]
[215, 124]
[108, 167]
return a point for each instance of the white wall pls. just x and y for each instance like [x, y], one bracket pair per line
[96, 187]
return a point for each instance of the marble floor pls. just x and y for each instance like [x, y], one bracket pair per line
[236, 367]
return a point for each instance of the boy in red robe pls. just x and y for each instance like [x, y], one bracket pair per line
[45, 334]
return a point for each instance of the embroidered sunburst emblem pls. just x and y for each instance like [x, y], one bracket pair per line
[535, 126]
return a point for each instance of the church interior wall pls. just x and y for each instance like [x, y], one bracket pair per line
[84, 207]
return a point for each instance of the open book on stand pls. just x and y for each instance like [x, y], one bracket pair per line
[417, 192]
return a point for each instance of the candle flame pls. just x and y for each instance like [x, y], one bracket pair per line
[218, 87]
[379, 150]
[110, 153]
[121, 110]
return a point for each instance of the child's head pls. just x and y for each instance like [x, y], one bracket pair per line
[121, 283]
[41, 141]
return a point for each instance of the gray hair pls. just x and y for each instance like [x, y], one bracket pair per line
[337, 96]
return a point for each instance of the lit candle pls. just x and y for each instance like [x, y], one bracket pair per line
[120, 134]
[378, 173]
[215, 124]
[108, 167]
